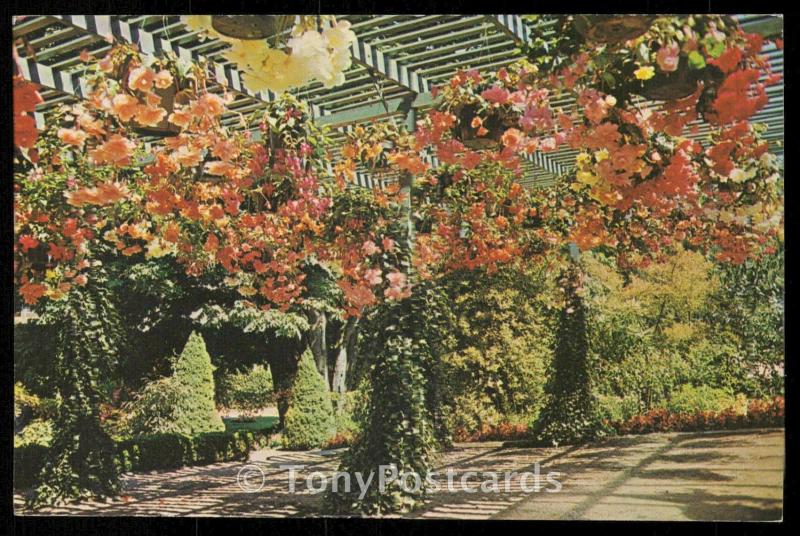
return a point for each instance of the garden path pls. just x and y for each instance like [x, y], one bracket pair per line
[674, 476]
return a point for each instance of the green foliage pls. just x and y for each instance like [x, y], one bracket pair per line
[691, 399]
[246, 392]
[684, 321]
[398, 422]
[309, 420]
[503, 344]
[346, 407]
[28, 405]
[194, 378]
[154, 408]
[747, 315]
[36, 432]
[618, 408]
[80, 461]
[572, 414]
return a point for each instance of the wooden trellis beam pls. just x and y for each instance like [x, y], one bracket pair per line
[149, 43]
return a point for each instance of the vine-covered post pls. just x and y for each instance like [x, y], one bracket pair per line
[81, 462]
[571, 414]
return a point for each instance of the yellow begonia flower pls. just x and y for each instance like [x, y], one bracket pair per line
[583, 159]
[248, 53]
[601, 155]
[644, 73]
[587, 177]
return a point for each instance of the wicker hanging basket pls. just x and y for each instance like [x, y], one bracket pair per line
[611, 29]
[251, 26]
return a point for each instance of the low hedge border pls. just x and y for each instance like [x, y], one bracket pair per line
[760, 414]
[155, 452]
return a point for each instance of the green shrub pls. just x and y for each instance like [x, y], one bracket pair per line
[246, 392]
[159, 451]
[345, 407]
[691, 399]
[154, 409]
[36, 432]
[618, 408]
[196, 411]
[309, 420]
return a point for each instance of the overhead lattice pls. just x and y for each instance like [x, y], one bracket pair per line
[397, 59]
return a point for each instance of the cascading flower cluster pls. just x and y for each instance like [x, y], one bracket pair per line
[308, 55]
[208, 196]
[260, 208]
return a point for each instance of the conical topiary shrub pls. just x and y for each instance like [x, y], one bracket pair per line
[196, 412]
[310, 419]
[571, 415]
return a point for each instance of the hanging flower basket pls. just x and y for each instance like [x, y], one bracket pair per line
[670, 86]
[496, 122]
[611, 29]
[251, 26]
[170, 96]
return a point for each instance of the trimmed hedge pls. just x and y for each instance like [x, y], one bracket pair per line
[155, 452]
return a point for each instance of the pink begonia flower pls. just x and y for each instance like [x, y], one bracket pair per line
[373, 276]
[388, 244]
[668, 57]
[397, 286]
[396, 279]
[496, 95]
[370, 248]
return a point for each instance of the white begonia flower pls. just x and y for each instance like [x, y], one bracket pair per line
[340, 36]
[740, 175]
[310, 54]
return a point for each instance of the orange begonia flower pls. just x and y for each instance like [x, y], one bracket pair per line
[72, 136]
[141, 78]
[117, 151]
[163, 79]
[125, 106]
[150, 116]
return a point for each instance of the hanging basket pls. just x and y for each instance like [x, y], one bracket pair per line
[169, 98]
[495, 123]
[671, 86]
[610, 29]
[251, 26]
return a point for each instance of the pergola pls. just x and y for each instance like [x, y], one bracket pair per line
[397, 59]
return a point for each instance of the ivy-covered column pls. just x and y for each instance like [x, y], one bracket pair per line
[571, 413]
[81, 462]
[397, 436]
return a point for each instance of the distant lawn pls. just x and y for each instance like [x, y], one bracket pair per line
[259, 423]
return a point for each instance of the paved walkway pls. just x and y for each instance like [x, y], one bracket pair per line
[679, 476]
